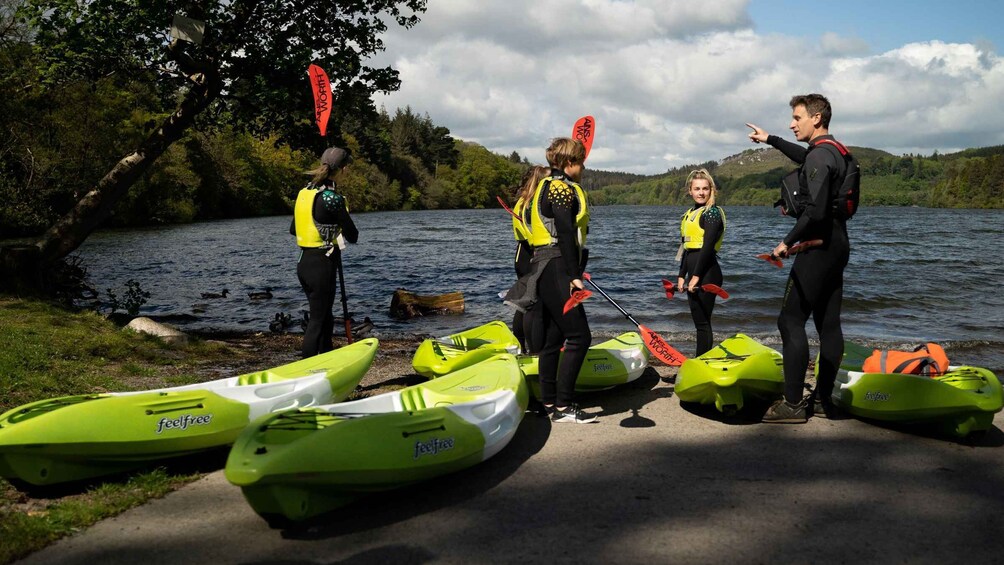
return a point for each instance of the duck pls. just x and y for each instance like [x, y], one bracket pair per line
[209, 295]
[281, 322]
[261, 295]
[363, 328]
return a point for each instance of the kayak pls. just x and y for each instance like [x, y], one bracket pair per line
[441, 356]
[614, 362]
[958, 403]
[727, 374]
[301, 463]
[80, 437]
[608, 364]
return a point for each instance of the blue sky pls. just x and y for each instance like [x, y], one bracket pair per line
[886, 25]
[671, 82]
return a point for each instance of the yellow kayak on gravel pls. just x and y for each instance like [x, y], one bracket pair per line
[728, 374]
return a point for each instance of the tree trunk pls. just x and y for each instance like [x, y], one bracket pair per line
[71, 230]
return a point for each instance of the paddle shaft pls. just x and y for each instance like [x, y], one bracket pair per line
[611, 301]
[345, 302]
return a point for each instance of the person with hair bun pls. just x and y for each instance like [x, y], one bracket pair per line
[702, 229]
[321, 224]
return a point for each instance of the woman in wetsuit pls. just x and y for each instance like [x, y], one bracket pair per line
[531, 178]
[702, 229]
[559, 222]
[321, 222]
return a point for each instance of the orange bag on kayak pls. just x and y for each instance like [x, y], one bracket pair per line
[928, 360]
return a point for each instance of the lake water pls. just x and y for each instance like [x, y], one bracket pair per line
[915, 274]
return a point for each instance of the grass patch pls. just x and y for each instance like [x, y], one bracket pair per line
[47, 352]
[27, 524]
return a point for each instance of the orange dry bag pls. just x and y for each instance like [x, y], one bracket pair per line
[928, 360]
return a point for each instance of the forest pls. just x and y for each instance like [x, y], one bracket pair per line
[64, 131]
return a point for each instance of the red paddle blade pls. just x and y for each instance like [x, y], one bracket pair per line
[660, 349]
[670, 288]
[770, 259]
[803, 245]
[716, 290]
[584, 130]
[577, 297]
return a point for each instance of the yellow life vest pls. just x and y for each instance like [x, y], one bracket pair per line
[310, 233]
[542, 229]
[691, 232]
[520, 230]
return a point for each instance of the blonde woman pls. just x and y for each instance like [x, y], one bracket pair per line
[528, 185]
[702, 230]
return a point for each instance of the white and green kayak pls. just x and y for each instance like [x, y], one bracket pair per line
[958, 403]
[90, 435]
[613, 362]
[301, 463]
[616, 361]
[727, 374]
[441, 356]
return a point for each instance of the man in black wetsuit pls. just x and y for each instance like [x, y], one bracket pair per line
[815, 284]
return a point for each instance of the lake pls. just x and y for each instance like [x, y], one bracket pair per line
[915, 274]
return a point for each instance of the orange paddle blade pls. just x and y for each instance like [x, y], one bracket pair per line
[584, 131]
[770, 259]
[716, 290]
[660, 349]
[577, 297]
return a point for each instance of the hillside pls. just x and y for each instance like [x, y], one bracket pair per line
[972, 178]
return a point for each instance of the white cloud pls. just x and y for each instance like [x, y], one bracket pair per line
[672, 83]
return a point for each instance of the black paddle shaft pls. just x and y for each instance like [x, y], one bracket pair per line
[611, 300]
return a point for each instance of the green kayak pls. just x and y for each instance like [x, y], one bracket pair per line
[301, 463]
[958, 403]
[90, 435]
[608, 364]
[438, 357]
[727, 374]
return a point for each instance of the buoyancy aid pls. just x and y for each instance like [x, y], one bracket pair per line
[520, 229]
[928, 359]
[691, 232]
[542, 229]
[309, 233]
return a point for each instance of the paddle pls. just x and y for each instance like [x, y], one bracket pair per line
[578, 296]
[508, 209]
[797, 248]
[584, 131]
[656, 345]
[708, 287]
[345, 303]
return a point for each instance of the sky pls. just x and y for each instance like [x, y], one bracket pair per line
[672, 82]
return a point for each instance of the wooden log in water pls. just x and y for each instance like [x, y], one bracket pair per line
[405, 304]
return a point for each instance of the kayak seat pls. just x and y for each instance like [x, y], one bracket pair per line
[259, 378]
[420, 398]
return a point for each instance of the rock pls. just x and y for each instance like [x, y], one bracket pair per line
[170, 335]
[405, 304]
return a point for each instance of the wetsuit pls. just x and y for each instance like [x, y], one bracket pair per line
[557, 200]
[703, 262]
[816, 282]
[522, 263]
[319, 260]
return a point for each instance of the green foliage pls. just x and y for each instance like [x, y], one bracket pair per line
[134, 298]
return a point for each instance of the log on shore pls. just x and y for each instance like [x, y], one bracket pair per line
[406, 305]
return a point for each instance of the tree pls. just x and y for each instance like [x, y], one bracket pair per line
[248, 72]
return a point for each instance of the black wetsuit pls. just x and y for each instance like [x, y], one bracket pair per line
[816, 282]
[571, 330]
[703, 262]
[522, 263]
[317, 270]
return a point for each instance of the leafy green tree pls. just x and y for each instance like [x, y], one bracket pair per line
[248, 72]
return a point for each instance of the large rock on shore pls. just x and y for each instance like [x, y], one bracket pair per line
[169, 334]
